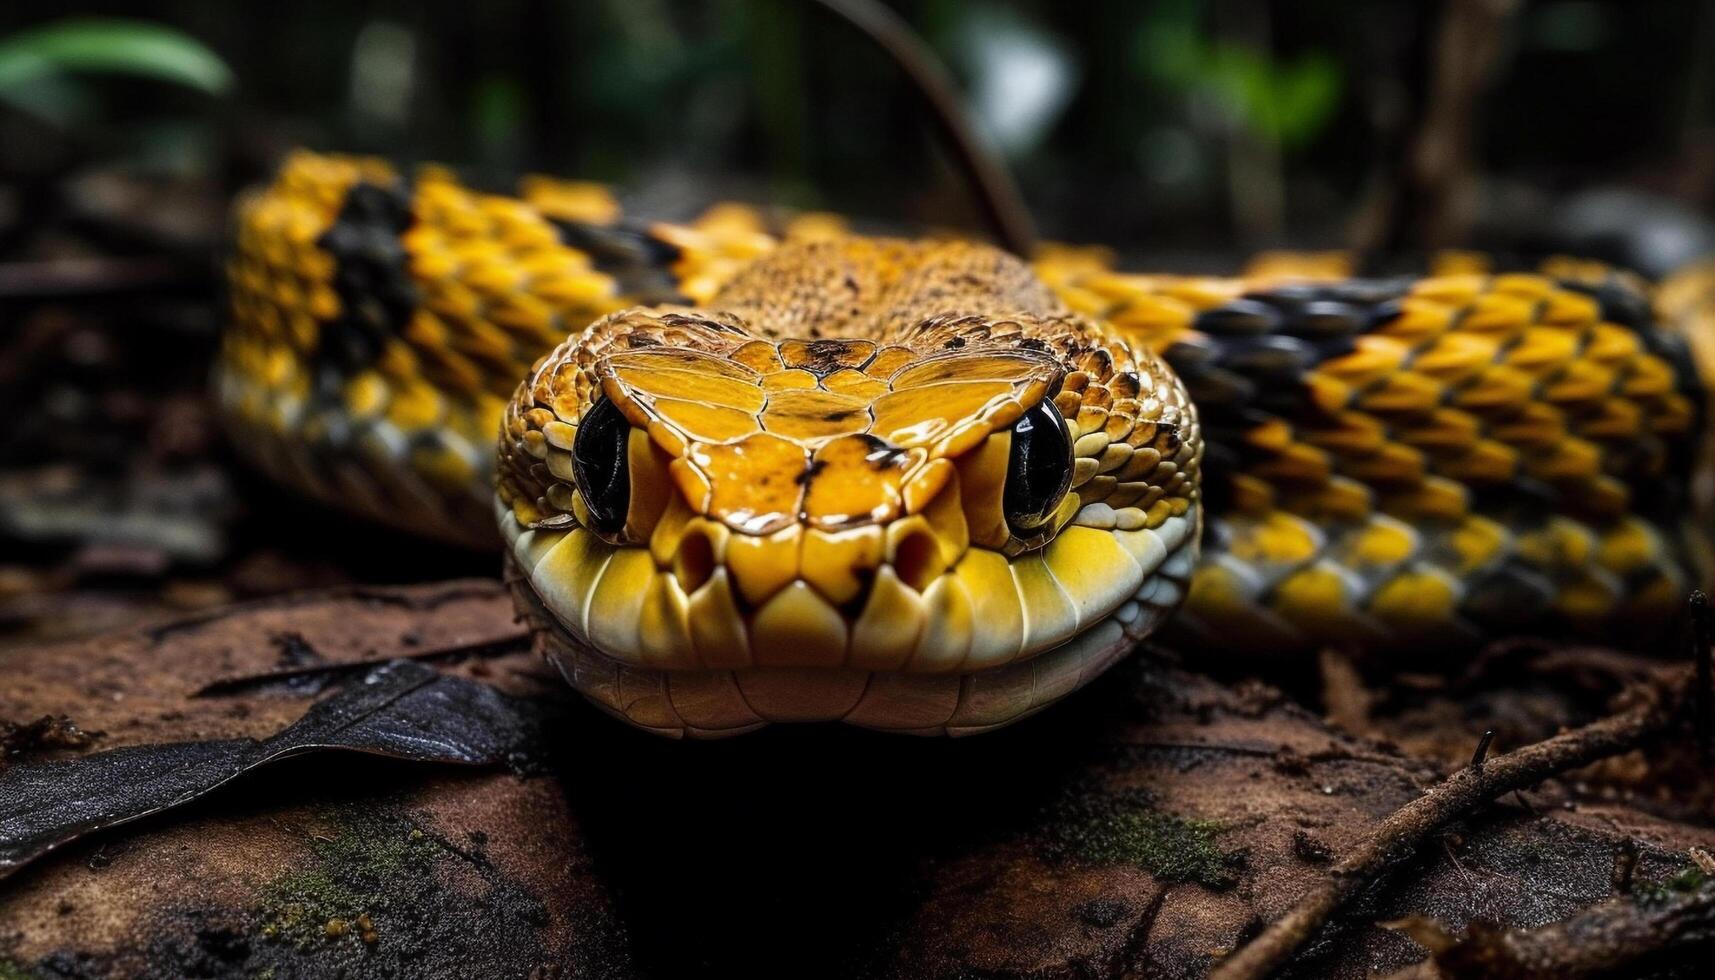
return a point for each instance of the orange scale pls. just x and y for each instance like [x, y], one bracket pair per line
[745, 396]
[671, 359]
[1539, 350]
[857, 479]
[1649, 377]
[1452, 358]
[1566, 308]
[813, 415]
[1608, 344]
[1498, 313]
[889, 360]
[693, 483]
[755, 484]
[1537, 424]
[1418, 320]
[919, 415]
[1446, 430]
[668, 438]
[1349, 434]
[1449, 289]
[1203, 293]
[925, 482]
[958, 367]
[849, 381]
[478, 339]
[1614, 418]
[1372, 359]
[706, 423]
[758, 355]
[1498, 388]
[966, 435]
[1524, 285]
[1568, 459]
[793, 378]
[528, 315]
[1580, 381]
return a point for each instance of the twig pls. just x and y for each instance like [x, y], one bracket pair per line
[1602, 940]
[1482, 752]
[1398, 837]
[996, 192]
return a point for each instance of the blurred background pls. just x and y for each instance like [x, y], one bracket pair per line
[1186, 134]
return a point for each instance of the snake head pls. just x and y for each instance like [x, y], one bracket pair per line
[695, 503]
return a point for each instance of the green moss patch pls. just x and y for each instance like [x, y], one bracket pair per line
[353, 877]
[1689, 879]
[1102, 828]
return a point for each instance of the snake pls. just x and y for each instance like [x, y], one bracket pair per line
[752, 468]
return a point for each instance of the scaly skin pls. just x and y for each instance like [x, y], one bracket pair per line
[817, 436]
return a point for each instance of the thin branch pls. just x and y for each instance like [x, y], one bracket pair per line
[1482, 753]
[991, 183]
[1602, 940]
[1399, 836]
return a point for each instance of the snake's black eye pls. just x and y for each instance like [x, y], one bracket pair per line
[601, 467]
[1039, 472]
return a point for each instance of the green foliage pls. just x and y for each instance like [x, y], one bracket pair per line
[43, 70]
[125, 47]
[1287, 101]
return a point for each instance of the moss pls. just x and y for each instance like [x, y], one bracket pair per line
[352, 875]
[1128, 829]
[1688, 880]
[10, 970]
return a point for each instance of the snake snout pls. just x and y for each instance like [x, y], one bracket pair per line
[805, 596]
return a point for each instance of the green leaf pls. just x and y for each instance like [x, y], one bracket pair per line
[1287, 103]
[125, 47]
[1305, 97]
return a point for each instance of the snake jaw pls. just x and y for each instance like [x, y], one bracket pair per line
[907, 667]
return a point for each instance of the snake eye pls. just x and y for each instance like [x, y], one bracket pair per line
[600, 466]
[1039, 471]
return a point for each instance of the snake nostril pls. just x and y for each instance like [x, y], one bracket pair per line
[695, 561]
[917, 559]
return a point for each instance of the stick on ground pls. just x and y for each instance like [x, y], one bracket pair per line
[1398, 837]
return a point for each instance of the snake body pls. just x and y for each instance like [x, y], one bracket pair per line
[750, 474]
